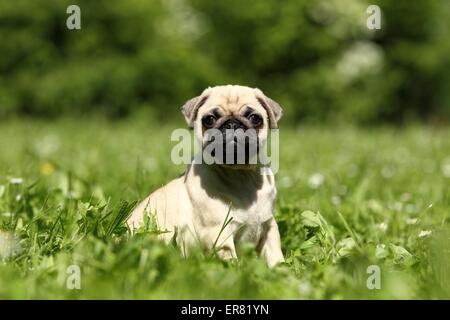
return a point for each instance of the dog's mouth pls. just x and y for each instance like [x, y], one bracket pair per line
[234, 148]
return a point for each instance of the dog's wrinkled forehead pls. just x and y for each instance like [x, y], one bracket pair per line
[231, 98]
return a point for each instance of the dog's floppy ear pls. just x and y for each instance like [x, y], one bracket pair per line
[273, 109]
[190, 108]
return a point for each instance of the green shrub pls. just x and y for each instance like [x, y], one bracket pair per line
[318, 59]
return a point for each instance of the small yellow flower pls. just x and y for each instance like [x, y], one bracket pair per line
[47, 168]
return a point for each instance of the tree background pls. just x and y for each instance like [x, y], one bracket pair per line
[316, 58]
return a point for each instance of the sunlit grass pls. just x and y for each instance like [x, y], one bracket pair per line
[348, 198]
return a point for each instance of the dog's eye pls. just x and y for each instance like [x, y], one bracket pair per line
[209, 121]
[255, 119]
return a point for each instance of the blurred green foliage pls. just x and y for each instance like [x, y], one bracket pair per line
[317, 58]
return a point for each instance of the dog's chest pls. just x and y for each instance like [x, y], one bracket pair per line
[248, 201]
[257, 213]
[248, 224]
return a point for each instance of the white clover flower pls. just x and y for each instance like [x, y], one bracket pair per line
[424, 233]
[9, 245]
[285, 182]
[316, 180]
[16, 180]
[304, 287]
[397, 206]
[382, 226]
[47, 145]
[360, 59]
[336, 200]
[446, 168]
[375, 205]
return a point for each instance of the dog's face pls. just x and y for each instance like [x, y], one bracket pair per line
[232, 119]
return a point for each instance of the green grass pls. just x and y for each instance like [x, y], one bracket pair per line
[348, 198]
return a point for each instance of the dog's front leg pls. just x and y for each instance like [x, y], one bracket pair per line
[222, 243]
[226, 252]
[270, 244]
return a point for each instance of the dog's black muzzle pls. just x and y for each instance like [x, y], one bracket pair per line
[239, 144]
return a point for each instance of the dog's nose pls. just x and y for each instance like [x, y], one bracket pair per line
[233, 124]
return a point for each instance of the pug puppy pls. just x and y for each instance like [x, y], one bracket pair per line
[223, 203]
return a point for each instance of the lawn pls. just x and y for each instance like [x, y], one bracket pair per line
[349, 198]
